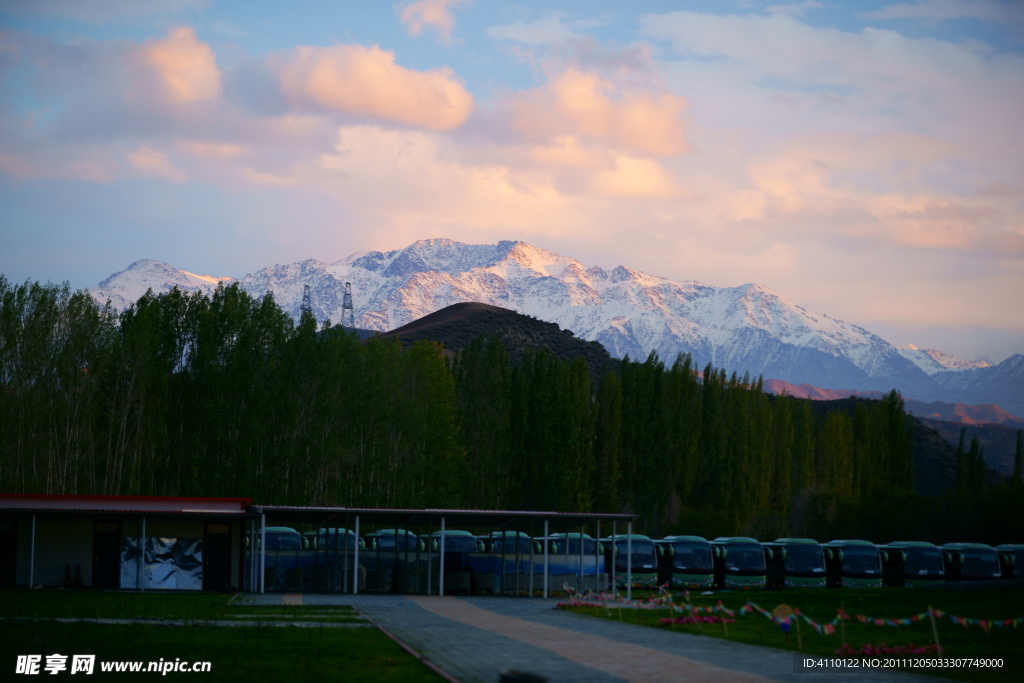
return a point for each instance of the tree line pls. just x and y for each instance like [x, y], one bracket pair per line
[225, 395]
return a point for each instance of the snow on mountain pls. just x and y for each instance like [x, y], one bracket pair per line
[128, 286]
[934, 362]
[748, 328]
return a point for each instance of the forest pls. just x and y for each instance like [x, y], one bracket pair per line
[225, 395]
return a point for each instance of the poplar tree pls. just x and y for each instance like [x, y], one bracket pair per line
[608, 444]
[1018, 462]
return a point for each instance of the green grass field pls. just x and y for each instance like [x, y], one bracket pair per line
[886, 603]
[236, 654]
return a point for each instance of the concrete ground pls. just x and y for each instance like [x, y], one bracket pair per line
[474, 639]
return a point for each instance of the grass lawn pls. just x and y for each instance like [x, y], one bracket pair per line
[242, 654]
[886, 603]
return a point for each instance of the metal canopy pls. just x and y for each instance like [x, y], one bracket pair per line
[474, 518]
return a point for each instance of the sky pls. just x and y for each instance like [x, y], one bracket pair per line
[862, 159]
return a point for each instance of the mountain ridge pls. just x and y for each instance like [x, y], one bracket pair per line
[748, 328]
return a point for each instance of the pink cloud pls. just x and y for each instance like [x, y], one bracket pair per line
[151, 162]
[366, 80]
[186, 67]
[434, 14]
[583, 103]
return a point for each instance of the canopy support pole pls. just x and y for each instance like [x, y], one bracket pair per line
[546, 565]
[355, 562]
[142, 556]
[615, 564]
[629, 560]
[32, 553]
[440, 579]
[579, 584]
[263, 552]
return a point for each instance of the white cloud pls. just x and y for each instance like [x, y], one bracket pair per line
[433, 14]
[361, 80]
[543, 31]
[794, 7]
[942, 10]
[186, 66]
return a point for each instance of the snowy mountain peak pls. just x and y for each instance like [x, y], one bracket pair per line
[932, 361]
[128, 286]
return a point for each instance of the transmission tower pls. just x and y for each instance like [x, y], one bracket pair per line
[348, 315]
[307, 301]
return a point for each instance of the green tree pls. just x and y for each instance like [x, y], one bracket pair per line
[1018, 462]
[608, 444]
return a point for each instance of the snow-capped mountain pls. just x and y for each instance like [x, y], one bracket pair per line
[125, 288]
[747, 329]
[934, 362]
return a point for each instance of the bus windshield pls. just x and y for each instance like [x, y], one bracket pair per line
[643, 554]
[276, 541]
[512, 545]
[980, 562]
[336, 541]
[403, 542]
[571, 546]
[861, 560]
[923, 562]
[692, 555]
[457, 544]
[744, 557]
[804, 559]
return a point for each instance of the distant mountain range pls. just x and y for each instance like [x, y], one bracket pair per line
[745, 329]
[995, 428]
[936, 410]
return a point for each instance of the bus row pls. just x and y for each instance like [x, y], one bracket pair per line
[739, 562]
[513, 562]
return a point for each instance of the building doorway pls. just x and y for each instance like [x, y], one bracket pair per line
[106, 554]
[8, 551]
[217, 557]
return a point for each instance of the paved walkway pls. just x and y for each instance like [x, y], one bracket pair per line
[474, 639]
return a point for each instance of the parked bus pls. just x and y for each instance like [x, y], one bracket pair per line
[460, 550]
[1011, 557]
[338, 538]
[510, 559]
[685, 562]
[284, 552]
[912, 564]
[644, 564]
[569, 544]
[739, 562]
[510, 543]
[576, 560]
[394, 540]
[970, 562]
[794, 563]
[850, 564]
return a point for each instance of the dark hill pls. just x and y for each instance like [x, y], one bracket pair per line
[459, 324]
[998, 440]
[934, 456]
